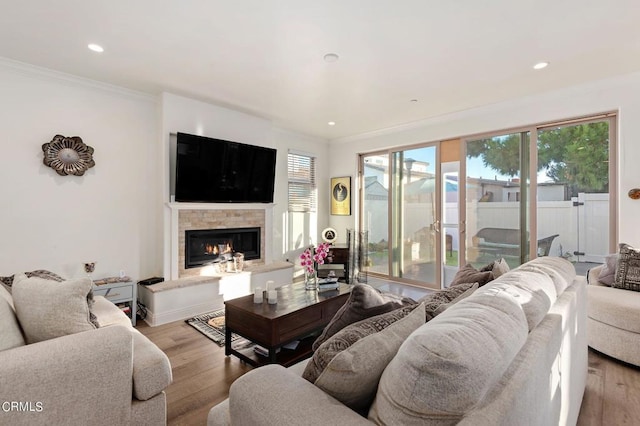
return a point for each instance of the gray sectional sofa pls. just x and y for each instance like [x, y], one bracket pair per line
[512, 352]
[110, 375]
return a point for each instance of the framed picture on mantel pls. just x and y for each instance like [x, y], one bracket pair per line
[341, 196]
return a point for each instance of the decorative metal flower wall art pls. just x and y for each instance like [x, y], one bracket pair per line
[68, 156]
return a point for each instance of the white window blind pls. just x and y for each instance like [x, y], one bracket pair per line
[302, 183]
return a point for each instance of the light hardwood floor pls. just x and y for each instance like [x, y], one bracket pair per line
[202, 376]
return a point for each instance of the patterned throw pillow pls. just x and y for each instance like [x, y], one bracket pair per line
[628, 268]
[436, 302]
[348, 366]
[39, 273]
[7, 282]
[364, 302]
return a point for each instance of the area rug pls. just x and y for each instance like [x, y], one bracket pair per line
[212, 325]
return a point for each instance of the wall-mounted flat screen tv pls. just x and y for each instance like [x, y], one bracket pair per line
[218, 171]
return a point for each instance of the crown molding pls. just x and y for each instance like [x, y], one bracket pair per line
[46, 74]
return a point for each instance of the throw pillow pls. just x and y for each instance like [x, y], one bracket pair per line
[51, 276]
[469, 274]
[608, 271]
[40, 273]
[348, 366]
[445, 369]
[433, 302]
[468, 292]
[500, 267]
[628, 268]
[6, 282]
[47, 311]
[364, 302]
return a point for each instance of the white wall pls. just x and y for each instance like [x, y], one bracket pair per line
[111, 214]
[180, 114]
[622, 94]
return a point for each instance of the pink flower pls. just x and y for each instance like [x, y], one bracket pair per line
[308, 260]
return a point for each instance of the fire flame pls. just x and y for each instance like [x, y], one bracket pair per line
[214, 249]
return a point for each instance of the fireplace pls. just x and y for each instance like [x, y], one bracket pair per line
[208, 246]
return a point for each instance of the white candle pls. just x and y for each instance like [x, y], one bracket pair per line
[272, 296]
[257, 296]
[269, 285]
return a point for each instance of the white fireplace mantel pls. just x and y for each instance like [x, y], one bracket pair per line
[173, 208]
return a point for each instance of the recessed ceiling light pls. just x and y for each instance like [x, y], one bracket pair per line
[540, 65]
[413, 100]
[331, 57]
[331, 123]
[95, 47]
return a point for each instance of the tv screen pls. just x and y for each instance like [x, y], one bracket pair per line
[217, 171]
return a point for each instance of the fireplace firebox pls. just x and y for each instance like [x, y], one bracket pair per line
[208, 246]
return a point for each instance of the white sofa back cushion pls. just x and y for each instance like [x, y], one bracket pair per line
[560, 270]
[534, 291]
[447, 366]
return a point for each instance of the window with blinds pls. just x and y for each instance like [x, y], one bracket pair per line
[302, 183]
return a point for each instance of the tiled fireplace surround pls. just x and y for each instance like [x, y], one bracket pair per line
[194, 291]
[188, 216]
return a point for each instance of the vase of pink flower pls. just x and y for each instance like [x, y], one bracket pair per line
[309, 261]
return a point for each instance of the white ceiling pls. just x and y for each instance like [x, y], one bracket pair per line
[265, 57]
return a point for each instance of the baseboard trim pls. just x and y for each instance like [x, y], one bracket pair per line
[181, 314]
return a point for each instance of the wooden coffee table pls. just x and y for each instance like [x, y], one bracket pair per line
[298, 315]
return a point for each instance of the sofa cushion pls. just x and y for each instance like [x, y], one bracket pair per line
[364, 302]
[561, 271]
[469, 274]
[628, 268]
[614, 306]
[534, 291]
[608, 271]
[4, 294]
[10, 333]
[356, 356]
[446, 367]
[47, 311]
[151, 367]
[109, 314]
[436, 302]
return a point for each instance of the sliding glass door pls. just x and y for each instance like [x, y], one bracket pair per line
[375, 210]
[497, 184]
[573, 188]
[548, 198]
[400, 211]
[544, 190]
